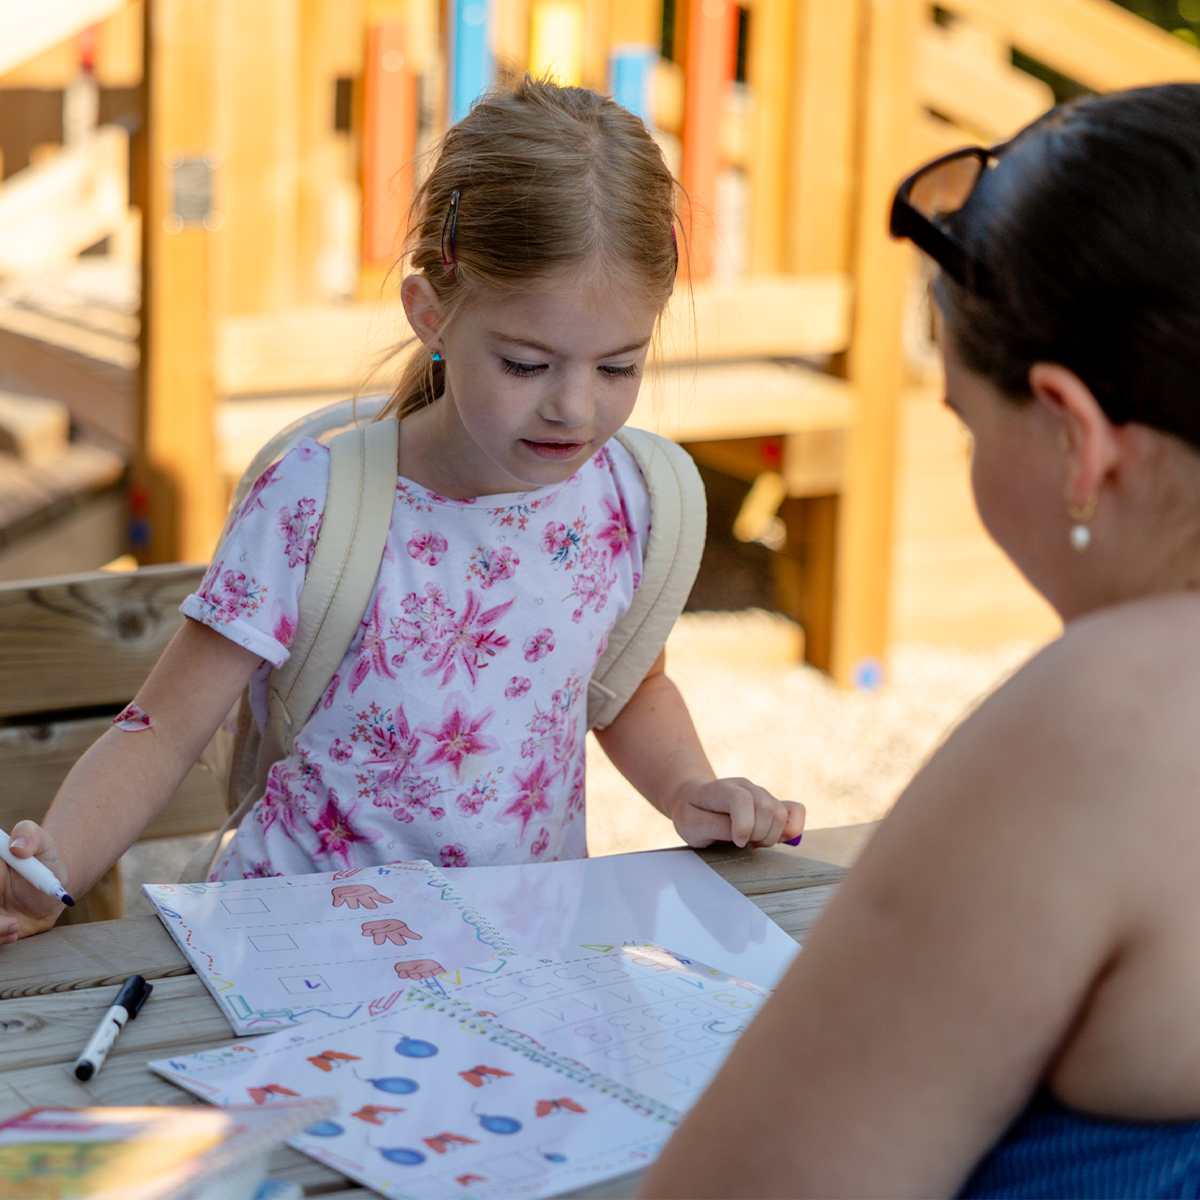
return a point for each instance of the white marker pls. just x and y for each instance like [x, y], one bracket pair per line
[36, 872]
[124, 1008]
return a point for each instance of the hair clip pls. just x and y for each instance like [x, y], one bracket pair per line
[449, 261]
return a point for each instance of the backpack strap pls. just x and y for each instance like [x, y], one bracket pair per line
[678, 522]
[337, 588]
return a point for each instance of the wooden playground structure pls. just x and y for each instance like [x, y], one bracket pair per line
[273, 161]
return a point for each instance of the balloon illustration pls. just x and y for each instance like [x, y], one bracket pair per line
[407, 1158]
[495, 1124]
[396, 1084]
[325, 1129]
[415, 1047]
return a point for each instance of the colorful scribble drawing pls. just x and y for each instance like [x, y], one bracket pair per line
[440, 1143]
[419, 968]
[327, 1060]
[260, 1095]
[373, 1113]
[544, 1108]
[357, 895]
[389, 930]
[478, 1076]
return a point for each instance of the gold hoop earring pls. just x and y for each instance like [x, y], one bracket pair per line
[1081, 535]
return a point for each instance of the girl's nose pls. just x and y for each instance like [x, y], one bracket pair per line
[570, 403]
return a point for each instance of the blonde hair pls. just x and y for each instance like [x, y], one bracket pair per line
[552, 181]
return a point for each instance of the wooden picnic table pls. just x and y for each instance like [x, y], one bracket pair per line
[54, 988]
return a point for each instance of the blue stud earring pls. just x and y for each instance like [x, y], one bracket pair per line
[435, 356]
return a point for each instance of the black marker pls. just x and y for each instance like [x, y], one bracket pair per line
[124, 1008]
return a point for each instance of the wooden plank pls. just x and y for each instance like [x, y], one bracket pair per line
[103, 954]
[1103, 46]
[326, 348]
[823, 115]
[87, 639]
[769, 74]
[758, 873]
[708, 70]
[875, 361]
[53, 210]
[181, 289]
[26, 30]
[389, 141]
[35, 759]
[992, 98]
[796, 912]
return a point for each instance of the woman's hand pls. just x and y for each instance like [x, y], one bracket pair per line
[734, 810]
[25, 909]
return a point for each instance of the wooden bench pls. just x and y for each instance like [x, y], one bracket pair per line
[73, 650]
[727, 380]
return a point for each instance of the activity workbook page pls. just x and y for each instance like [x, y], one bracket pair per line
[646, 1017]
[278, 951]
[433, 1103]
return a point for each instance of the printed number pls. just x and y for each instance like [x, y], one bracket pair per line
[690, 1006]
[592, 1034]
[624, 1024]
[661, 1017]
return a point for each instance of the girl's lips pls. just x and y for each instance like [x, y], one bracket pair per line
[554, 451]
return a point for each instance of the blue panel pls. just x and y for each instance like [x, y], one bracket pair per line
[471, 60]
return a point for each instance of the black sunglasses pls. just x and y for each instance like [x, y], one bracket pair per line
[934, 191]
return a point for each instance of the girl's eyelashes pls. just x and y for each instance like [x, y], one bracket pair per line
[524, 370]
[510, 367]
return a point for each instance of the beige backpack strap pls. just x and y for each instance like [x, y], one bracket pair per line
[337, 589]
[678, 523]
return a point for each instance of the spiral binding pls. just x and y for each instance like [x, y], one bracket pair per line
[488, 933]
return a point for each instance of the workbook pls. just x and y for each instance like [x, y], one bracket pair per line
[278, 951]
[546, 1073]
[160, 1153]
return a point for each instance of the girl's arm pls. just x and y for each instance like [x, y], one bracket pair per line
[653, 743]
[124, 780]
[947, 974]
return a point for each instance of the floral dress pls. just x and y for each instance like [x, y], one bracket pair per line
[454, 728]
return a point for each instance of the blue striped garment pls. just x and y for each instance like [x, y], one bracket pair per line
[1052, 1151]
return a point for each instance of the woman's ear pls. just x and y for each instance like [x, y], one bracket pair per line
[1091, 440]
[423, 309]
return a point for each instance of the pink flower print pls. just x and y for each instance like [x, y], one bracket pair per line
[436, 814]
[372, 652]
[261, 870]
[539, 846]
[253, 498]
[341, 751]
[427, 548]
[615, 532]
[454, 856]
[228, 595]
[471, 643]
[539, 645]
[299, 531]
[529, 747]
[390, 744]
[532, 797]
[460, 737]
[331, 691]
[560, 542]
[335, 831]
[285, 623]
[492, 566]
[469, 803]
[517, 687]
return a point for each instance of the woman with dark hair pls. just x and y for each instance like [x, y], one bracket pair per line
[1003, 999]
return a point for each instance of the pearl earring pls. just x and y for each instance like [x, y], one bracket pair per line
[1081, 535]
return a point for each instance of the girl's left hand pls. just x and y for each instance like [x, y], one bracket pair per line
[734, 810]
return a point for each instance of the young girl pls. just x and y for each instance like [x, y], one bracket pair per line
[543, 251]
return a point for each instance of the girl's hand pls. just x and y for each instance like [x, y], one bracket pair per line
[734, 810]
[24, 909]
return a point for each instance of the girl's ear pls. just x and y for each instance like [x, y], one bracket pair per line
[1092, 441]
[423, 309]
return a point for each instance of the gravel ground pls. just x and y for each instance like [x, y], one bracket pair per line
[762, 714]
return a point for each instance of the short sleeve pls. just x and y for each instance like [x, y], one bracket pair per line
[251, 591]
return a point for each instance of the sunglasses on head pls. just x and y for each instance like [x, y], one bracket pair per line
[933, 192]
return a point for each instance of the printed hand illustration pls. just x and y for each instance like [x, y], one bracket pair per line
[357, 895]
[390, 930]
[419, 968]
